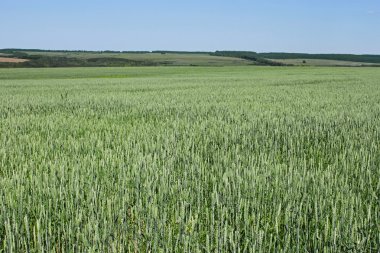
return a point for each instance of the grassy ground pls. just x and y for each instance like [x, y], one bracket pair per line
[320, 62]
[233, 159]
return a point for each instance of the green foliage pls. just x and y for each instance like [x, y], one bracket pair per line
[251, 56]
[180, 52]
[233, 159]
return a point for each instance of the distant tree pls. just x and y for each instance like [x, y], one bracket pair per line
[303, 61]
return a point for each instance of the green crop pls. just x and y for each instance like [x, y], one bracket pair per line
[232, 159]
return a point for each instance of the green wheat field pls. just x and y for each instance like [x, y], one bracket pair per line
[190, 159]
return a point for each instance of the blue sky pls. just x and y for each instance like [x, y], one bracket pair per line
[313, 26]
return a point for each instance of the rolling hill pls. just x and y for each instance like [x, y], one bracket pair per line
[15, 58]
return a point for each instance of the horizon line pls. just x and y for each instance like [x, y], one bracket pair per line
[177, 51]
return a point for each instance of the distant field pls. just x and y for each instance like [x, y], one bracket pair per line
[156, 58]
[190, 159]
[41, 58]
[336, 57]
[322, 62]
[15, 60]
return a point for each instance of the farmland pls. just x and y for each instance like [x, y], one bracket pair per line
[190, 159]
[324, 62]
[35, 58]
[13, 60]
[40, 58]
[176, 59]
